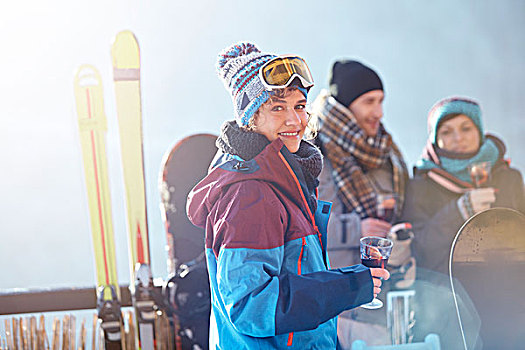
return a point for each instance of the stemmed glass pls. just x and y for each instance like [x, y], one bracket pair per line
[386, 206]
[479, 173]
[375, 252]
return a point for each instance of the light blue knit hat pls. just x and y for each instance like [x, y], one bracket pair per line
[238, 67]
[452, 105]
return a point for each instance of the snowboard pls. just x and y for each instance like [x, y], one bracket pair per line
[187, 289]
[488, 259]
[183, 166]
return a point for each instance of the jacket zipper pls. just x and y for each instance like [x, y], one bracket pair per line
[290, 335]
[312, 219]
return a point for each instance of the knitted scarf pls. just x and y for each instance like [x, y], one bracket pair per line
[352, 154]
[450, 170]
[247, 144]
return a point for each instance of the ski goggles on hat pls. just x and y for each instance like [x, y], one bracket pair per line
[280, 71]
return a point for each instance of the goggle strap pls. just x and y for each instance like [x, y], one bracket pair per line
[305, 83]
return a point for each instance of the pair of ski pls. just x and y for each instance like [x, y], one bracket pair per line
[92, 127]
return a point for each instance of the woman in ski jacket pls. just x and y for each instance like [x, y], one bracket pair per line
[271, 286]
[442, 195]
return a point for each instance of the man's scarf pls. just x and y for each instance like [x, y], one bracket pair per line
[352, 154]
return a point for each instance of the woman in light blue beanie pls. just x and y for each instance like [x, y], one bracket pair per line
[456, 139]
[443, 194]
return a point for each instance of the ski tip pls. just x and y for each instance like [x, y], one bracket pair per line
[87, 75]
[89, 98]
[125, 51]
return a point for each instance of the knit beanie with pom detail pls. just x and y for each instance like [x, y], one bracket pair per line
[238, 67]
[454, 105]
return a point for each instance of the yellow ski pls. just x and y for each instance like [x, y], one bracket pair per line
[92, 128]
[126, 75]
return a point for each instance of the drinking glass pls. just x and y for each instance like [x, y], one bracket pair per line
[375, 252]
[479, 173]
[386, 206]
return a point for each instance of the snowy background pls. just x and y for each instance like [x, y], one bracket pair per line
[423, 50]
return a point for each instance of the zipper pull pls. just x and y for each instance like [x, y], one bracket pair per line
[305, 251]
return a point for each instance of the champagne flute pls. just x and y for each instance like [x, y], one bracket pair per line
[480, 173]
[375, 252]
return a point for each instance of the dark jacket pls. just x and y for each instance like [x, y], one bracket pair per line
[270, 283]
[435, 216]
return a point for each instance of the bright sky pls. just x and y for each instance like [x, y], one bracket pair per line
[423, 51]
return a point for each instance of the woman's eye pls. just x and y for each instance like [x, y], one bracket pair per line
[277, 108]
[300, 106]
[466, 129]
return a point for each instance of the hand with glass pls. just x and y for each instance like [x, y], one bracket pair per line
[380, 225]
[375, 252]
[482, 196]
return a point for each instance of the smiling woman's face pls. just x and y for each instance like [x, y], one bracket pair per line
[284, 118]
[459, 135]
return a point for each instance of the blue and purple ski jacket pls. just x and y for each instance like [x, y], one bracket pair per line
[271, 286]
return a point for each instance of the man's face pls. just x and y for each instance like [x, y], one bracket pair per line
[368, 111]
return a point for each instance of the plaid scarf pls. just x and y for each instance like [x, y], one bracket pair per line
[352, 154]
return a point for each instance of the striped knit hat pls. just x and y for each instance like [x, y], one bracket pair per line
[238, 67]
[453, 105]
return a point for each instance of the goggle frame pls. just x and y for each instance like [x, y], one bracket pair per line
[306, 83]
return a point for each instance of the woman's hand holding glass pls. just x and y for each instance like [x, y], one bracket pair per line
[482, 198]
[375, 252]
[476, 200]
[378, 274]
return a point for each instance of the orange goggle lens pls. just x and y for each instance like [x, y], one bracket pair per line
[280, 71]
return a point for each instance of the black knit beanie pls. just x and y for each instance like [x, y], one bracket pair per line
[351, 79]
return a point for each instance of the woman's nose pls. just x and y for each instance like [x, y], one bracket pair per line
[292, 117]
[457, 136]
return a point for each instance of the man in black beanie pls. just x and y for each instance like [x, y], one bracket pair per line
[351, 79]
[364, 166]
